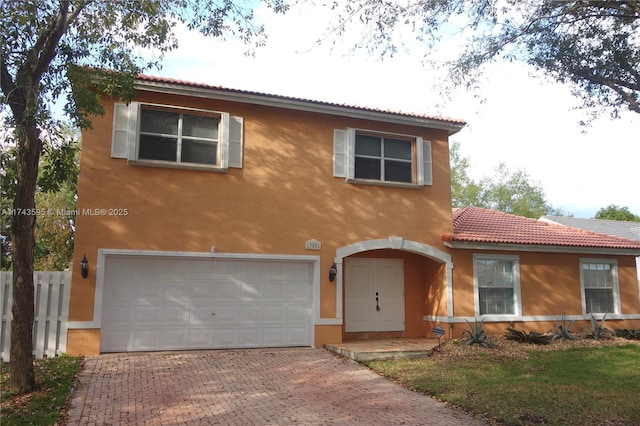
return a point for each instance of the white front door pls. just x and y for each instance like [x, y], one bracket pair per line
[374, 295]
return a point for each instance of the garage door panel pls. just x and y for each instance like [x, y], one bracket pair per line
[251, 314]
[174, 315]
[298, 313]
[225, 290]
[274, 291]
[226, 314]
[118, 314]
[148, 314]
[274, 313]
[199, 337]
[225, 337]
[174, 338]
[146, 340]
[295, 335]
[160, 304]
[119, 339]
[200, 314]
[250, 337]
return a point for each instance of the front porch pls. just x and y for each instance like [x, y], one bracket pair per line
[369, 350]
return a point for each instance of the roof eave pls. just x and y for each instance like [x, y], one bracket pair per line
[297, 104]
[479, 245]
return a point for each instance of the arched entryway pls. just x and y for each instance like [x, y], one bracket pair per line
[387, 286]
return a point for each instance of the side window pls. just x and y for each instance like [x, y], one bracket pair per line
[599, 281]
[497, 285]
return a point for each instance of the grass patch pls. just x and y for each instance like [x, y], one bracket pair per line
[575, 386]
[45, 405]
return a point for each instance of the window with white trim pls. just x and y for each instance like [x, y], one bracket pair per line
[599, 281]
[365, 156]
[387, 159]
[165, 136]
[497, 285]
[180, 137]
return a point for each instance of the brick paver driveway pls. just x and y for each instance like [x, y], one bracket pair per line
[300, 386]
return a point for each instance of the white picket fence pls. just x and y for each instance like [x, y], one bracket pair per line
[51, 313]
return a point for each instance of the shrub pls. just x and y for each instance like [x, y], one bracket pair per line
[562, 330]
[629, 334]
[521, 336]
[476, 335]
[598, 331]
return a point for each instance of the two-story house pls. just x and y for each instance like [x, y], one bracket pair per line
[219, 218]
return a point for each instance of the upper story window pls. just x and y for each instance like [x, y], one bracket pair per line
[599, 281]
[364, 156]
[178, 137]
[497, 283]
[382, 158]
[164, 136]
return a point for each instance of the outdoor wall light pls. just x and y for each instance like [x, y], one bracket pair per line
[333, 271]
[84, 266]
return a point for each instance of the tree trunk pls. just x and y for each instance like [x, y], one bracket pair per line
[23, 242]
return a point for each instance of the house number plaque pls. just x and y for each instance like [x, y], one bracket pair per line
[313, 245]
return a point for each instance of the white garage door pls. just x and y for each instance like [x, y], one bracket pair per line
[155, 303]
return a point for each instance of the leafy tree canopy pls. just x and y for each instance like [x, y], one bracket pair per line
[591, 45]
[505, 191]
[613, 212]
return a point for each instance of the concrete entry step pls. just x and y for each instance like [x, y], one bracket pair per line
[370, 350]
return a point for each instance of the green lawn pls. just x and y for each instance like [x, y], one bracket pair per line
[46, 405]
[576, 386]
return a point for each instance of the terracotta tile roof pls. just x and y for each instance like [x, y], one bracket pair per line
[479, 225]
[172, 81]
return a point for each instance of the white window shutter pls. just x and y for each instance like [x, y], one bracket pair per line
[235, 141]
[425, 166]
[351, 153]
[223, 136]
[120, 136]
[339, 153]
[132, 134]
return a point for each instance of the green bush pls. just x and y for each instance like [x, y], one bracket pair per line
[521, 336]
[562, 330]
[630, 334]
[476, 335]
[598, 331]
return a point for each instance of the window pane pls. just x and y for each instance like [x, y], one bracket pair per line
[398, 171]
[368, 145]
[157, 148]
[599, 300]
[198, 152]
[200, 126]
[397, 148]
[494, 273]
[367, 168]
[496, 301]
[597, 275]
[162, 122]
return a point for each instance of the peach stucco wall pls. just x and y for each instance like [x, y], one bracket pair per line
[284, 194]
[549, 285]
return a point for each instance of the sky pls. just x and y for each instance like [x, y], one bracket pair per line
[516, 116]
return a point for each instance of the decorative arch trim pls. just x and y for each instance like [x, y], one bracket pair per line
[396, 243]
